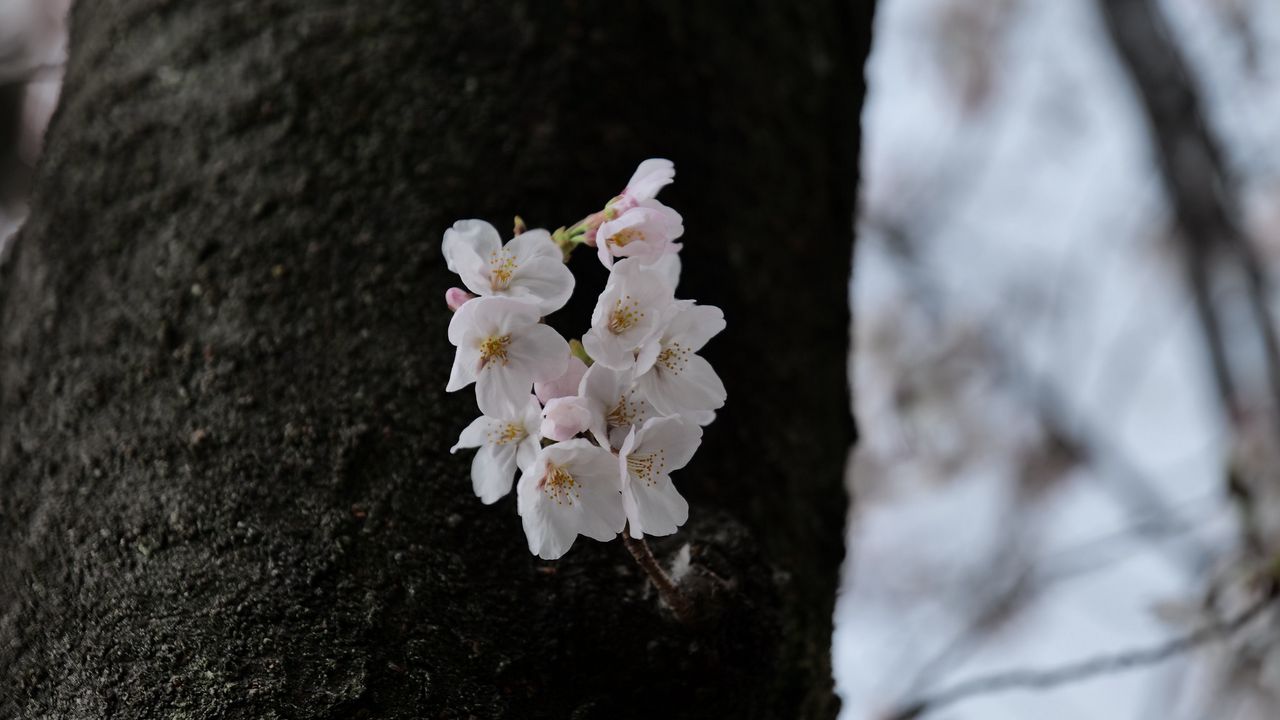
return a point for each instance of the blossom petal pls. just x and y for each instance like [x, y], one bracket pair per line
[466, 246]
[566, 384]
[677, 439]
[501, 389]
[492, 470]
[473, 435]
[463, 373]
[532, 244]
[657, 509]
[694, 325]
[695, 387]
[541, 351]
[650, 177]
[546, 282]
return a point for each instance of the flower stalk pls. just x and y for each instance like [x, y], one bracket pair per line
[672, 595]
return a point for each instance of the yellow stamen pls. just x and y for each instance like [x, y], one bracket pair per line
[626, 315]
[494, 348]
[622, 238]
[507, 434]
[501, 267]
[560, 486]
[673, 357]
[647, 468]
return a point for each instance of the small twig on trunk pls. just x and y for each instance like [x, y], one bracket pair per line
[673, 596]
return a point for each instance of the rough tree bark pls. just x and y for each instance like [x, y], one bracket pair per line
[225, 489]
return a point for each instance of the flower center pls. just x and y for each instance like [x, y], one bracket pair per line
[506, 434]
[647, 468]
[624, 413]
[494, 348]
[501, 268]
[560, 486]
[622, 238]
[673, 357]
[626, 315]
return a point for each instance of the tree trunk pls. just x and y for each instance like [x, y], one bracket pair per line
[225, 486]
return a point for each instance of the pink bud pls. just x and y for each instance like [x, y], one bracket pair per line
[455, 297]
[564, 417]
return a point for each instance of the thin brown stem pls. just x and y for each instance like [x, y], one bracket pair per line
[673, 596]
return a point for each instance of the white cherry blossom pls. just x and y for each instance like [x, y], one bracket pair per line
[680, 381]
[505, 443]
[645, 232]
[628, 317]
[614, 404]
[503, 349]
[530, 267]
[648, 457]
[572, 489]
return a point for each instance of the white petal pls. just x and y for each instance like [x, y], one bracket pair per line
[540, 351]
[596, 470]
[608, 350]
[527, 451]
[549, 527]
[466, 246]
[546, 282]
[695, 387]
[502, 389]
[675, 438]
[669, 265]
[650, 177]
[657, 509]
[549, 531]
[534, 244]
[463, 372]
[473, 435]
[694, 325]
[492, 470]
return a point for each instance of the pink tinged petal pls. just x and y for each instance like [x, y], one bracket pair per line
[602, 252]
[566, 384]
[565, 417]
[690, 385]
[540, 351]
[650, 177]
[492, 471]
[455, 297]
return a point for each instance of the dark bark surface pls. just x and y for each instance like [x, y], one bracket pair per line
[225, 489]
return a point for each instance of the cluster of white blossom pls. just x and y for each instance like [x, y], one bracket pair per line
[609, 418]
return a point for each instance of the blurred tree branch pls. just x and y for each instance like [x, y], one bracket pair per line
[1203, 196]
[1044, 679]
